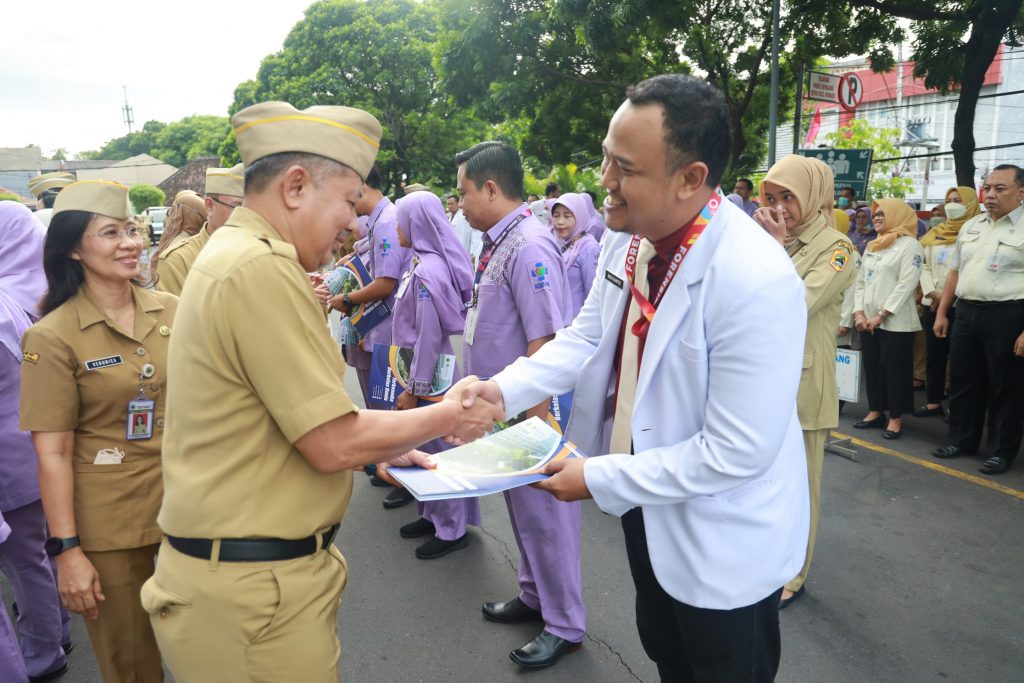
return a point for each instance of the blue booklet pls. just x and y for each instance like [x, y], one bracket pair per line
[500, 461]
[389, 376]
[351, 274]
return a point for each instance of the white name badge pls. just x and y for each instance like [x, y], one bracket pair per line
[470, 332]
[942, 255]
[404, 285]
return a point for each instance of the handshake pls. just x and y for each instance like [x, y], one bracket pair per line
[474, 407]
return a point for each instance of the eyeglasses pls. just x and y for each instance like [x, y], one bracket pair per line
[112, 235]
[230, 206]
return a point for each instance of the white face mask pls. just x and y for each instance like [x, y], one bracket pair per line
[935, 220]
[955, 211]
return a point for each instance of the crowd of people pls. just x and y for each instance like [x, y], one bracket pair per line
[196, 411]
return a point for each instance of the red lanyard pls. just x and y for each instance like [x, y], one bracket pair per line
[690, 236]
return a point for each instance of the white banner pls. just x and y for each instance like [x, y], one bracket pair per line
[848, 374]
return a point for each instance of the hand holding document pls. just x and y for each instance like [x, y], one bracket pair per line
[513, 457]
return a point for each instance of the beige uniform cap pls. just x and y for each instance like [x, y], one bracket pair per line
[104, 197]
[346, 135]
[49, 181]
[229, 181]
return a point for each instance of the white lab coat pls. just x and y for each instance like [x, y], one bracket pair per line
[719, 470]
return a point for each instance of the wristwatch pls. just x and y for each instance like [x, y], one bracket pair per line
[55, 546]
[346, 302]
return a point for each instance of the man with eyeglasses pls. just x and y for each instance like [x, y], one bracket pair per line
[224, 192]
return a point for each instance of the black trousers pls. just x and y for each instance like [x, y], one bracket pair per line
[938, 354]
[984, 373]
[694, 644]
[889, 371]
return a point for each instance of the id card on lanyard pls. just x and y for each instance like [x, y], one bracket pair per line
[141, 410]
[485, 257]
[649, 307]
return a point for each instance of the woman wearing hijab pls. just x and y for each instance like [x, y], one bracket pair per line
[842, 220]
[796, 209]
[570, 219]
[885, 313]
[596, 227]
[185, 218]
[93, 367]
[43, 627]
[863, 230]
[430, 306]
[961, 206]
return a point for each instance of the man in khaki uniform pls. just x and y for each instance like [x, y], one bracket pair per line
[262, 437]
[224, 192]
[823, 259]
[39, 186]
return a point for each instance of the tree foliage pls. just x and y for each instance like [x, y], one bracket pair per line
[376, 56]
[174, 143]
[144, 196]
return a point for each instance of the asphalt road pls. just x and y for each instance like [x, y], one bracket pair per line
[916, 577]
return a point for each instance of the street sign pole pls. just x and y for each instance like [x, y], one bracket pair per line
[773, 106]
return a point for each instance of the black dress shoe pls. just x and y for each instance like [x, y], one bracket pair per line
[879, 421]
[377, 481]
[890, 435]
[786, 602]
[436, 547]
[397, 499]
[949, 452]
[511, 612]
[421, 527]
[925, 411]
[544, 650]
[997, 464]
[68, 647]
[50, 675]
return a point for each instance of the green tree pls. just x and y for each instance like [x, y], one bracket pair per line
[145, 196]
[885, 179]
[59, 154]
[6, 196]
[191, 137]
[376, 56]
[140, 142]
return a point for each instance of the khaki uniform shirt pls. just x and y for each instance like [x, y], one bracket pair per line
[823, 259]
[887, 281]
[935, 269]
[253, 368]
[78, 374]
[177, 261]
[989, 257]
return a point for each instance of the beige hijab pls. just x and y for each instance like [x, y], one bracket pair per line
[811, 182]
[186, 215]
[900, 220]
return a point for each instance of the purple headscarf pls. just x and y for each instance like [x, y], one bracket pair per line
[861, 239]
[736, 199]
[597, 228]
[577, 204]
[443, 265]
[21, 256]
[13, 323]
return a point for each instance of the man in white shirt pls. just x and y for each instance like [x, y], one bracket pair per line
[685, 370]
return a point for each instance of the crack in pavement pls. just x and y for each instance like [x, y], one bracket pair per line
[615, 652]
[504, 549]
[506, 552]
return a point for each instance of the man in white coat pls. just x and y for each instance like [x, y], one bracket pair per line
[695, 405]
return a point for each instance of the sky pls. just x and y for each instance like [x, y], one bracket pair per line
[64, 66]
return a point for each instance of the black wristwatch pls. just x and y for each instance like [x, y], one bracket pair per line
[55, 546]
[346, 302]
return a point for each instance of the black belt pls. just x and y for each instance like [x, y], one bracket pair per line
[254, 549]
[991, 304]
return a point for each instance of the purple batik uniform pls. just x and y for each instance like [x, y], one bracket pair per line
[579, 250]
[12, 665]
[430, 306]
[387, 259]
[522, 296]
[355, 357]
[42, 626]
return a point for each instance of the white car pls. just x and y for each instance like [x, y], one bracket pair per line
[156, 215]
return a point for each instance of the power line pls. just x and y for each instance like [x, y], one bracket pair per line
[943, 154]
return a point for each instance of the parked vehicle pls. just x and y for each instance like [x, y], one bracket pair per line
[156, 215]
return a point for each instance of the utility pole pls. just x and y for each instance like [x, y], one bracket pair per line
[773, 107]
[126, 110]
[799, 107]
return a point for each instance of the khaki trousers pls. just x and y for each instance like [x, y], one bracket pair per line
[814, 446]
[228, 622]
[122, 637]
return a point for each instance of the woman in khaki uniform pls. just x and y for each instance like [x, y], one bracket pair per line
[796, 201]
[884, 312]
[92, 394]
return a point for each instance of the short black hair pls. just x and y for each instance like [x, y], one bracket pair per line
[550, 189]
[749, 183]
[259, 173]
[1018, 172]
[497, 161]
[592, 195]
[453, 196]
[373, 177]
[49, 197]
[697, 121]
[850, 190]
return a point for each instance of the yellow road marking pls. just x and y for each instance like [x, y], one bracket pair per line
[1016, 493]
